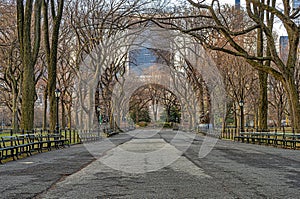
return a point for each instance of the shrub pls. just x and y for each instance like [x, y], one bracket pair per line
[142, 124]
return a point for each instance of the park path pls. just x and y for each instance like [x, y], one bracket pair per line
[155, 164]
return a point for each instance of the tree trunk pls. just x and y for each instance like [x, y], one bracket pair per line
[28, 94]
[263, 102]
[293, 96]
[52, 102]
[70, 116]
[201, 100]
[91, 107]
[51, 52]
[29, 52]
[15, 125]
[263, 81]
[235, 118]
[15, 93]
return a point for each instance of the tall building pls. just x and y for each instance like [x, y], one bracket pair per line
[142, 58]
[295, 4]
[283, 47]
[237, 4]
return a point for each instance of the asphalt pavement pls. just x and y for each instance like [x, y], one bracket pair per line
[155, 164]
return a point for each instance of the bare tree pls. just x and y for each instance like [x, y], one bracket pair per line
[66, 74]
[240, 84]
[101, 45]
[51, 43]
[29, 26]
[209, 21]
[278, 102]
[11, 70]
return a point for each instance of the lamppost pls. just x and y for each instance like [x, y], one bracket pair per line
[241, 103]
[99, 119]
[115, 122]
[125, 119]
[57, 95]
[99, 113]
[176, 127]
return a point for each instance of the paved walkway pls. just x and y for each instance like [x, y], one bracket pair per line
[30, 176]
[104, 170]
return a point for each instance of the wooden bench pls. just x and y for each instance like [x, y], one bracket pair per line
[267, 138]
[7, 148]
[58, 140]
[243, 136]
[14, 146]
[109, 132]
[256, 137]
[34, 140]
[279, 140]
[291, 140]
[39, 142]
[270, 138]
[89, 136]
[44, 142]
[23, 145]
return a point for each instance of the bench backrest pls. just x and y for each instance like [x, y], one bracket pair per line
[8, 141]
[33, 137]
[21, 139]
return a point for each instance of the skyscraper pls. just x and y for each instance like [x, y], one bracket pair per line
[295, 4]
[283, 47]
[141, 59]
[237, 4]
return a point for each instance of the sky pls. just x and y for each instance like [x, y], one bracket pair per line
[279, 28]
[228, 1]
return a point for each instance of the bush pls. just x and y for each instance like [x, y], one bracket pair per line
[167, 125]
[142, 124]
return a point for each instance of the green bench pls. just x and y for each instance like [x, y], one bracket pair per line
[14, 146]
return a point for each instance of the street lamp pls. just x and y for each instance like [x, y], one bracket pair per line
[115, 122]
[241, 103]
[99, 119]
[99, 113]
[125, 119]
[57, 95]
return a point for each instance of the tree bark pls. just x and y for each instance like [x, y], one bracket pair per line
[51, 52]
[263, 102]
[15, 125]
[293, 97]
[263, 81]
[28, 55]
[70, 116]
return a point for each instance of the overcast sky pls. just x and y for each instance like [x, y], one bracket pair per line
[280, 29]
[228, 1]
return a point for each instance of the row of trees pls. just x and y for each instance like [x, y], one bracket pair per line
[23, 63]
[82, 48]
[151, 97]
[233, 31]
